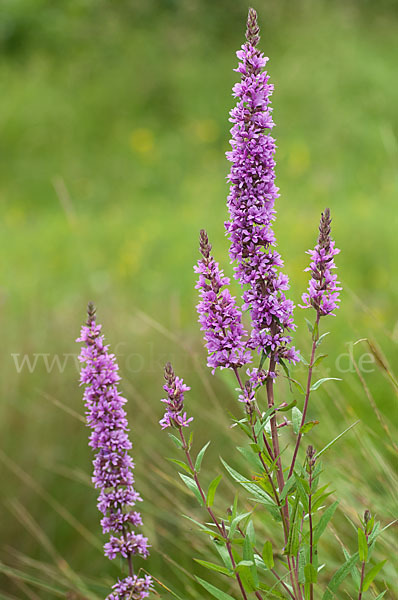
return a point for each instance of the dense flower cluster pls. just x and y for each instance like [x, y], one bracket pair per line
[251, 205]
[131, 588]
[219, 316]
[323, 290]
[175, 388]
[113, 465]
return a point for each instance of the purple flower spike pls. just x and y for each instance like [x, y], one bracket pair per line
[219, 316]
[131, 588]
[113, 466]
[323, 289]
[251, 205]
[175, 388]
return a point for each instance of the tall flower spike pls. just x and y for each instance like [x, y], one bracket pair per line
[219, 317]
[251, 205]
[323, 289]
[175, 388]
[113, 466]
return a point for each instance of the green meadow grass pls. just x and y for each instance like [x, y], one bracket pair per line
[114, 127]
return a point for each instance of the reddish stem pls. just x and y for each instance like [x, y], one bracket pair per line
[221, 528]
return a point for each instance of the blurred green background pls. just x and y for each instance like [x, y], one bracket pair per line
[114, 124]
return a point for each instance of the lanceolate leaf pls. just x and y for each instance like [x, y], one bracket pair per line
[335, 440]
[339, 577]
[175, 439]
[255, 490]
[191, 485]
[248, 555]
[289, 485]
[214, 567]
[319, 359]
[308, 426]
[200, 456]
[212, 490]
[181, 464]
[318, 383]
[296, 419]
[327, 515]
[205, 528]
[372, 574]
[310, 326]
[321, 338]
[310, 573]
[235, 522]
[215, 592]
[362, 546]
[268, 556]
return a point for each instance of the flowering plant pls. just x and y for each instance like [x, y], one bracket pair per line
[288, 489]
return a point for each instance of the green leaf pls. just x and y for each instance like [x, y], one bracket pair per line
[244, 563]
[262, 360]
[372, 574]
[315, 333]
[224, 554]
[327, 515]
[235, 522]
[268, 556]
[251, 456]
[303, 360]
[298, 385]
[181, 464]
[285, 367]
[300, 482]
[254, 489]
[293, 539]
[354, 571]
[290, 483]
[191, 485]
[296, 419]
[200, 456]
[248, 555]
[175, 439]
[370, 525]
[321, 338]
[288, 407]
[251, 534]
[204, 528]
[310, 326]
[380, 596]
[310, 573]
[330, 444]
[215, 592]
[319, 359]
[213, 567]
[308, 426]
[212, 490]
[339, 577]
[362, 546]
[318, 383]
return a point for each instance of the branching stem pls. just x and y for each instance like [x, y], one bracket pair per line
[220, 527]
[307, 394]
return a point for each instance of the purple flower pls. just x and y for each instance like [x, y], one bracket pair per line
[248, 398]
[131, 588]
[219, 316]
[175, 388]
[113, 466]
[251, 205]
[323, 289]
